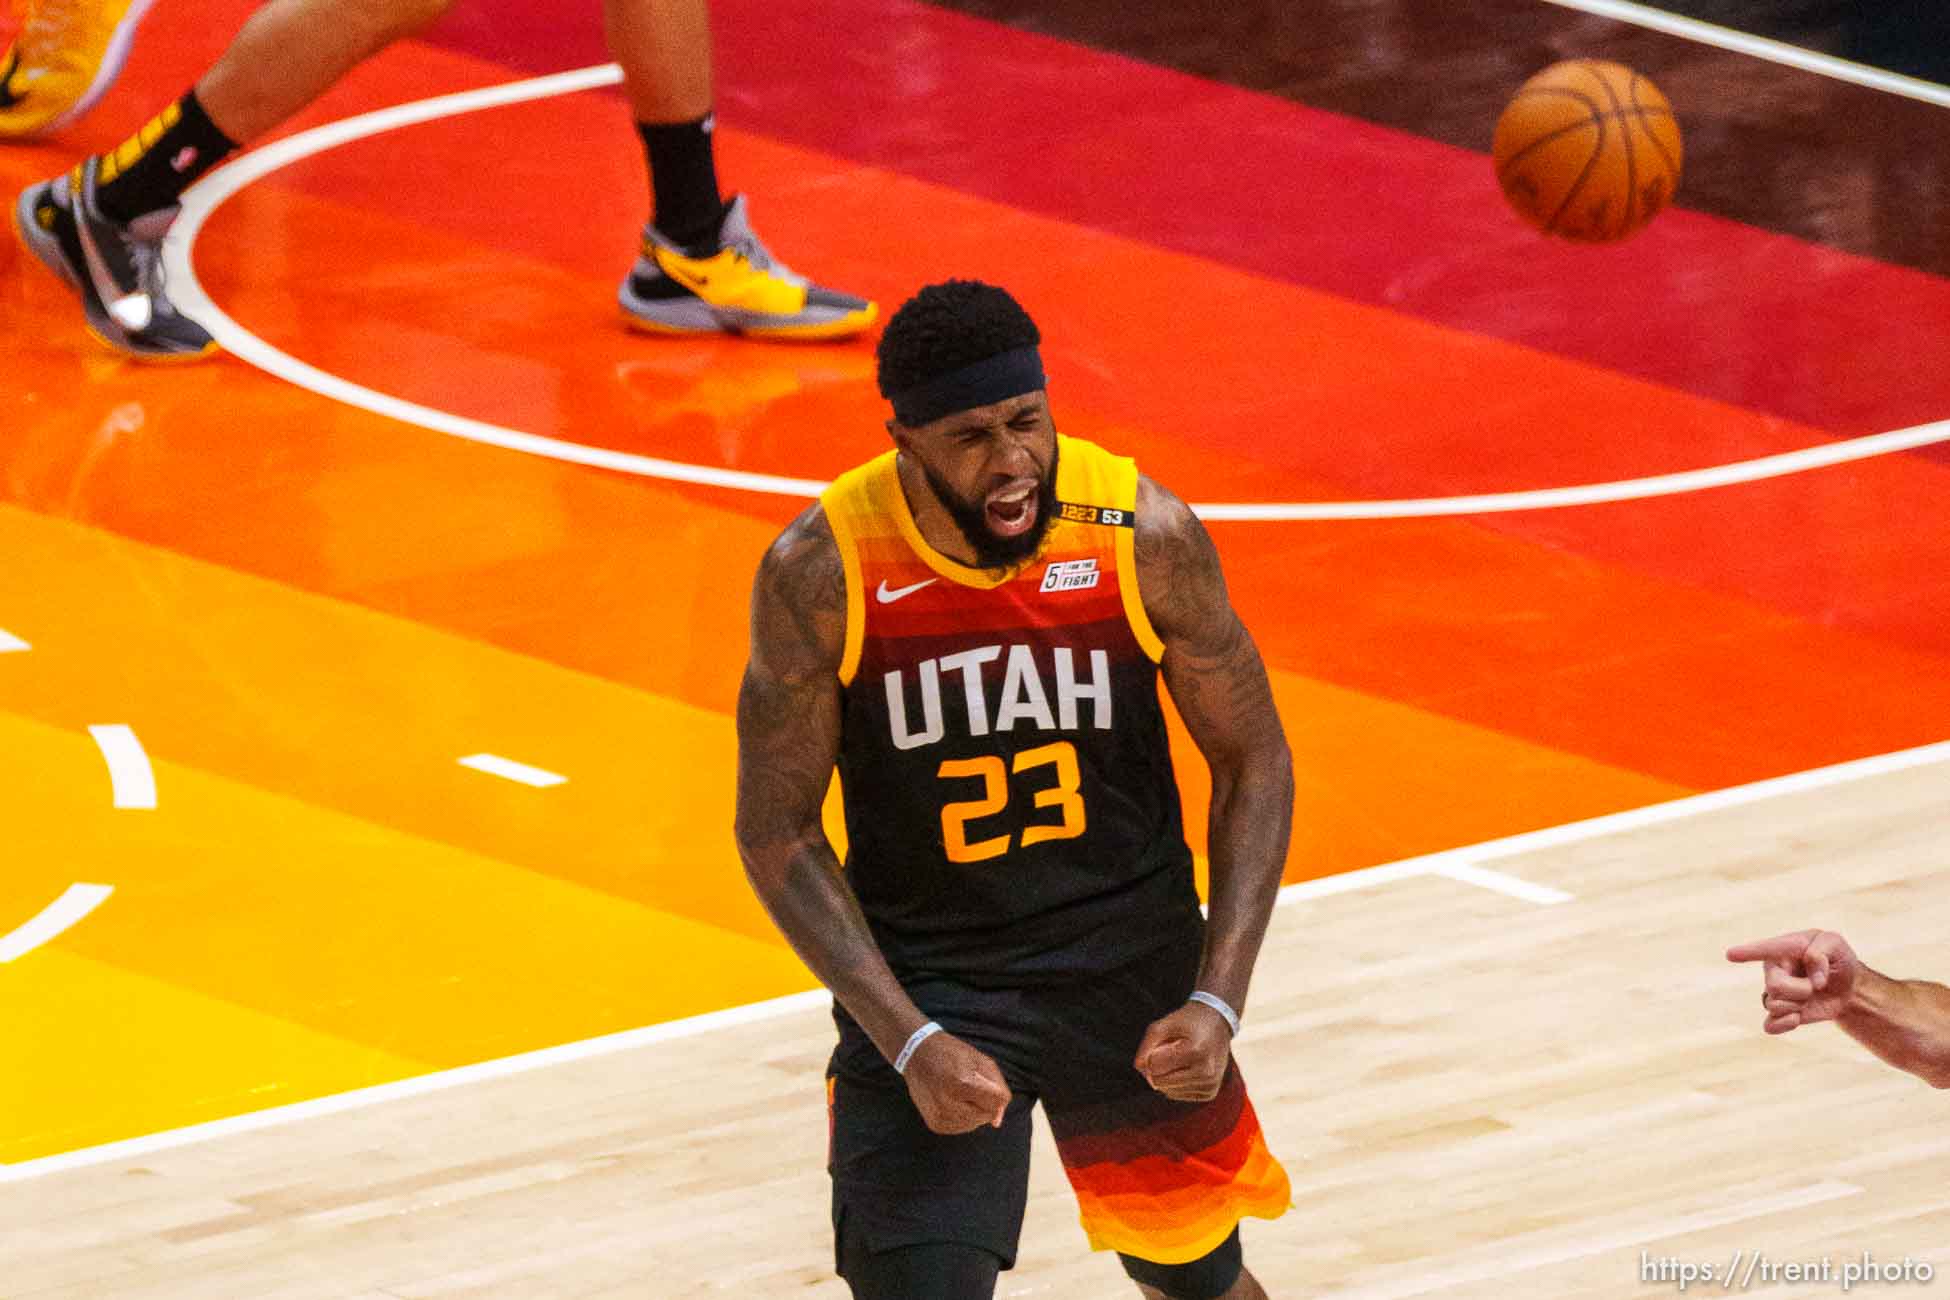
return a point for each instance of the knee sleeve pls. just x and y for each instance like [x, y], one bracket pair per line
[1205, 1278]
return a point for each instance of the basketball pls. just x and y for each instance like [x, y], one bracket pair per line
[1588, 150]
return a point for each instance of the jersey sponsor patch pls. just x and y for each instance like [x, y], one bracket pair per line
[1071, 512]
[1071, 575]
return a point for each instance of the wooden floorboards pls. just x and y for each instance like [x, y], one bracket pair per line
[1476, 1096]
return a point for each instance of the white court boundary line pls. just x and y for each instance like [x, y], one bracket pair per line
[1462, 864]
[1762, 47]
[130, 777]
[509, 770]
[219, 186]
[1465, 864]
[75, 902]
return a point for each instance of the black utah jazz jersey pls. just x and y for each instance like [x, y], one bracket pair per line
[1011, 812]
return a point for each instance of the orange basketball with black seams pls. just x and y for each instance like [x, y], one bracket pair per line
[1588, 150]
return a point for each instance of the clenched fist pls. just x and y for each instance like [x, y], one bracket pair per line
[1184, 1055]
[956, 1087]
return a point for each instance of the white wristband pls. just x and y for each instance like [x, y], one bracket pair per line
[914, 1040]
[1218, 1004]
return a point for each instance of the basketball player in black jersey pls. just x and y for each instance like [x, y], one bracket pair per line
[1016, 918]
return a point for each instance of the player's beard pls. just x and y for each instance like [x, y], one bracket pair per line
[992, 551]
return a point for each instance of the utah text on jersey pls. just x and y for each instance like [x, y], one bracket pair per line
[1024, 697]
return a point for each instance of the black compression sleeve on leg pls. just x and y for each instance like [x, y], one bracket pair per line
[1206, 1278]
[935, 1268]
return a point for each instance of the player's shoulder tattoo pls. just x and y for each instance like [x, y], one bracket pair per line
[788, 714]
[1179, 575]
[799, 595]
[804, 564]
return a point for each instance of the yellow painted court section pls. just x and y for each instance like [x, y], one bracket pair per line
[116, 1053]
[279, 952]
[1359, 800]
[324, 900]
[333, 704]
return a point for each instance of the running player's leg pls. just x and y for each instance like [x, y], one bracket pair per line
[100, 227]
[285, 56]
[292, 51]
[1164, 1183]
[665, 49]
[701, 269]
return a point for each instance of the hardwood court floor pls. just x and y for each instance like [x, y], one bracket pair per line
[1477, 1097]
[1295, 289]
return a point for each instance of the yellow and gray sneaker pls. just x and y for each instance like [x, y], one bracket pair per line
[739, 289]
[116, 268]
[66, 56]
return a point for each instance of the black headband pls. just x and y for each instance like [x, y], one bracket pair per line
[980, 383]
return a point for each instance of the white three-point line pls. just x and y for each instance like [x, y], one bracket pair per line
[77, 902]
[131, 780]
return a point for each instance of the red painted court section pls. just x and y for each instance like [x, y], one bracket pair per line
[1838, 342]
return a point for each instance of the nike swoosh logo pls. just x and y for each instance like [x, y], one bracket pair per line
[688, 276]
[888, 596]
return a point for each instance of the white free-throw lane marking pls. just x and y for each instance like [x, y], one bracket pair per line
[1454, 864]
[1466, 864]
[213, 190]
[1501, 883]
[129, 774]
[76, 902]
[11, 644]
[1346, 882]
[1760, 47]
[495, 765]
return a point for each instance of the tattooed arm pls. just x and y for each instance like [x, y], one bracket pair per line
[788, 742]
[1216, 679]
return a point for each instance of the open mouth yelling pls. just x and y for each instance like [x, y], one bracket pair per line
[1011, 510]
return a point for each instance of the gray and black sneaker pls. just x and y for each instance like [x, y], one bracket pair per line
[738, 289]
[116, 268]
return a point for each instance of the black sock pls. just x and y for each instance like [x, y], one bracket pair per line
[152, 168]
[684, 183]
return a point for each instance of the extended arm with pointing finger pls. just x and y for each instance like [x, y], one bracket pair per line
[1813, 975]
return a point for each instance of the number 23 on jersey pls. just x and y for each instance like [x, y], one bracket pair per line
[1063, 797]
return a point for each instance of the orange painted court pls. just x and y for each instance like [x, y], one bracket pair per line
[309, 599]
